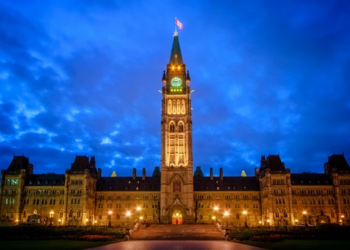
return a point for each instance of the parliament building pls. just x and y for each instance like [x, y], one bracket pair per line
[175, 193]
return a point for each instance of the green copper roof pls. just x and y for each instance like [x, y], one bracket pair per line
[175, 56]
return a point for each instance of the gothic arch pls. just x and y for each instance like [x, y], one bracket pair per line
[183, 107]
[172, 126]
[170, 107]
[181, 126]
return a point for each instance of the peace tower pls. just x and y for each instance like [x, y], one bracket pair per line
[176, 141]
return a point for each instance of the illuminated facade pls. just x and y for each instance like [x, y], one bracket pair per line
[174, 194]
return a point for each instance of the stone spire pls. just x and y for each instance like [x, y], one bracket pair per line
[175, 56]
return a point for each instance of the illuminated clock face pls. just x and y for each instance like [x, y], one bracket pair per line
[176, 82]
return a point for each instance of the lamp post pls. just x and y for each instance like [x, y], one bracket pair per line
[304, 214]
[51, 216]
[246, 216]
[226, 214]
[342, 220]
[109, 218]
[138, 209]
[215, 211]
[128, 214]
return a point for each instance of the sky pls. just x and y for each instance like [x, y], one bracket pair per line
[82, 78]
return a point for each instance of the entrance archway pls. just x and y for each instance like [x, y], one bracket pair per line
[177, 217]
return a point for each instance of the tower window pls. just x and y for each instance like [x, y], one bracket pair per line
[172, 128]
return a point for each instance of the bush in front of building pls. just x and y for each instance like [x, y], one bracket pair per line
[54, 233]
[272, 234]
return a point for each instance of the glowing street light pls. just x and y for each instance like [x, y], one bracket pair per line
[109, 217]
[305, 213]
[216, 208]
[128, 214]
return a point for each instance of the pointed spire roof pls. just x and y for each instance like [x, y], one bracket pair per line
[175, 56]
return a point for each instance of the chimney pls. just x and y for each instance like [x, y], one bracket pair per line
[211, 174]
[134, 174]
[221, 174]
[143, 174]
[99, 173]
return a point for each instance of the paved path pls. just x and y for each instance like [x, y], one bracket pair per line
[176, 245]
[178, 232]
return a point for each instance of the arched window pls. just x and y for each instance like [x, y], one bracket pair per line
[321, 212]
[78, 201]
[50, 201]
[277, 213]
[285, 213]
[276, 200]
[118, 216]
[172, 127]
[72, 201]
[24, 214]
[284, 201]
[71, 213]
[170, 107]
[181, 127]
[54, 201]
[346, 213]
[332, 213]
[78, 214]
[237, 216]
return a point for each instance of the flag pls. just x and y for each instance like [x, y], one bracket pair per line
[177, 22]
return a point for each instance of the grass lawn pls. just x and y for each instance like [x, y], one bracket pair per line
[301, 244]
[52, 244]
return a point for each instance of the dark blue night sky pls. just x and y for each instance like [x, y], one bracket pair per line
[82, 77]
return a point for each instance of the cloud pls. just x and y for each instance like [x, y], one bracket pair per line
[269, 78]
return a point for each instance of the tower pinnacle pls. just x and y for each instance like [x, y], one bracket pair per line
[176, 56]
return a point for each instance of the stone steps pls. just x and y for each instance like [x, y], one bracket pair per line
[178, 232]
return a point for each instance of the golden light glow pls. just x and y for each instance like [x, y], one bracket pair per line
[51, 212]
[177, 214]
[259, 222]
[138, 208]
[340, 220]
[214, 217]
[304, 212]
[59, 220]
[110, 212]
[128, 213]
[216, 208]
[244, 212]
[296, 221]
[141, 217]
[342, 216]
[87, 220]
[226, 213]
[178, 67]
[268, 221]
[173, 67]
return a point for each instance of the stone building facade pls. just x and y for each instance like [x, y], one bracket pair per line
[173, 193]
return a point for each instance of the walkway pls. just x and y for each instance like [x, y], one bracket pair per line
[176, 245]
[178, 232]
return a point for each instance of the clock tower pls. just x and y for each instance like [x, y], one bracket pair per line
[177, 203]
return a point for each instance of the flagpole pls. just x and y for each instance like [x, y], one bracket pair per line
[175, 34]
